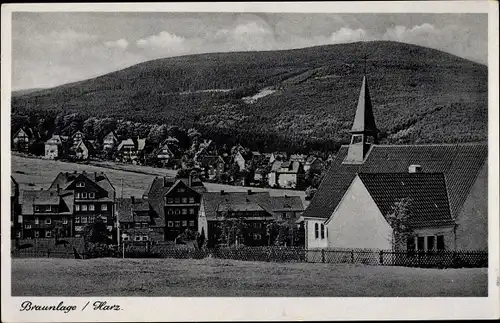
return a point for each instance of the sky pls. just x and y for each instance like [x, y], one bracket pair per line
[53, 48]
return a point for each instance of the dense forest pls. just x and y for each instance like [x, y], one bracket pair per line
[420, 95]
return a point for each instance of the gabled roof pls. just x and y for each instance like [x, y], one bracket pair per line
[460, 165]
[87, 144]
[364, 120]
[63, 199]
[54, 140]
[313, 159]
[286, 203]
[65, 179]
[427, 191]
[285, 167]
[128, 142]
[213, 201]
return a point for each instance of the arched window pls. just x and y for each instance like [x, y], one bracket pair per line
[316, 229]
[322, 231]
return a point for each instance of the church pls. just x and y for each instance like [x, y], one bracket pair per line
[444, 188]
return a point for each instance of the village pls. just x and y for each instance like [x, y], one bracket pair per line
[397, 197]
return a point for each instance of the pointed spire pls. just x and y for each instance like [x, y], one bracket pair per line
[364, 122]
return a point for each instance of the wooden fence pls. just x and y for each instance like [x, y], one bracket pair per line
[425, 259]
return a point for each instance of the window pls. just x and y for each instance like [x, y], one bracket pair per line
[65, 220]
[177, 224]
[440, 242]
[48, 221]
[170, 224]
[84, 219]
[420, 243]
[91, 195]
[104, 207]
[191, 200]
[184, 223]
[191, 223]
[80, 184]
[137, 238]
[170, 211]
[18, 234]
[184, 211]
[104, 219]
[37, 221]
[77, 219]
[77, 195]
[257, 236]
[170, 200]
[356, 139]
[322, 231]
[37, 208]
[48, 234]
[125, 238]
[37, 234]
[177, 200]
[77, 207]
[91, 219]
[316, 230]
[84, 195]
[137, 225]
[430, 243]
[27, 226]
[191, 211]
[19, 219]
[145, 238]
[84, 207]
[283, 216]
[49, 208]
[177, 211]
[91, 207]
[184, 200]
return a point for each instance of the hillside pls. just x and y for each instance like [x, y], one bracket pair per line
[304, 96]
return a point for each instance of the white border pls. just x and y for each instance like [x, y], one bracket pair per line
[231, 309]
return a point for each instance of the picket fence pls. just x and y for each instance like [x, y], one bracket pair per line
[425, 259]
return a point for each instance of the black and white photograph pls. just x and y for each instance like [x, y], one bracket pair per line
[247, 154]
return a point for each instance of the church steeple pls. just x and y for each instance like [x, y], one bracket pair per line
[364, 131]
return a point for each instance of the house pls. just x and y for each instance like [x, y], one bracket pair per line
[257, 209]
[136, 219]
[109, 141]
[23, 138]
[127, 151]
[176, 202]
[285, 174]
[94, 197]
[243, 159]
[46, 213]
[206, 148]
[301, 158]
[77, 137]
[165, 153]
[214, 166]
[280, 156]
[54, 147]
[445, 186]
[16, 223]
[170, 141]
[84, 149]
[314, 164]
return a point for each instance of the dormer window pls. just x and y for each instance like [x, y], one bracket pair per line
[80, 184]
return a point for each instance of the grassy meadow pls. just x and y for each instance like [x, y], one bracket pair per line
[231, 278]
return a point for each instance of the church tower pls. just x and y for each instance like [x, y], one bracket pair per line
[364, 131]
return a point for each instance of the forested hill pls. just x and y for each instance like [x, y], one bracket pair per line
[300, 97]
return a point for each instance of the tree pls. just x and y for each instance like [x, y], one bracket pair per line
[398, 219]
[96, 232]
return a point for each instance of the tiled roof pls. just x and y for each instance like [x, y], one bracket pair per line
[249, 206]
[126, 208]
[287, 203]
[65, 179]
[460, 165]
[63, 199]
[427, 192]
[285, 166]
[128, 142]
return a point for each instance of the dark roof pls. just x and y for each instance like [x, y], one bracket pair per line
[64, 199]
[460, 165]
[65, 179]
[127, 209]
[364, 120]
[427, 192]
[287, 203]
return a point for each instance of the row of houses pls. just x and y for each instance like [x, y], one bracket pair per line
[167, 209]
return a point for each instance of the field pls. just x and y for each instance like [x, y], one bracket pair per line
[229, 278]
[35, 173]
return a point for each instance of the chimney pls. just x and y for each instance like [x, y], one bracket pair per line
[132, 199]
[190, 179]
[414, 169]
[58, 188]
